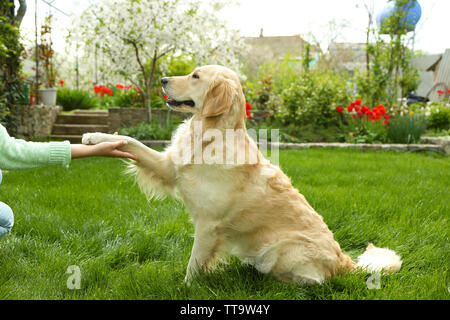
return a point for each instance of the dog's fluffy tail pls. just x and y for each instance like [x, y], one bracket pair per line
[379, 260]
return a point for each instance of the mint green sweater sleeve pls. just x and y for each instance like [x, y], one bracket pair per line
[16, 154]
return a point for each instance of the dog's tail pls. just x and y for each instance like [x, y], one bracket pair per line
[379, 260]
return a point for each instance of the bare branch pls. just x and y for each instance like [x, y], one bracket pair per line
[138, 57]
[165, 52]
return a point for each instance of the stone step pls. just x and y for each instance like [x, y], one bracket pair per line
[71, 138]
[91, 112]
[77, 129]
[82, 119]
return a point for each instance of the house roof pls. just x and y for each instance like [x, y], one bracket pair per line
[428, 62]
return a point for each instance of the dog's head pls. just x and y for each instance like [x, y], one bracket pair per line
[209, 91]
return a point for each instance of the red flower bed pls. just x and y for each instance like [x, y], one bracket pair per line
[361, 123]
[374, 114]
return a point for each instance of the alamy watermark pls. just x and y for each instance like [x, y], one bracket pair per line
[374, 281]
[74, 280]
[228, 147]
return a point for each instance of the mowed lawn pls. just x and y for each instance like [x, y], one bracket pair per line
[92, 216]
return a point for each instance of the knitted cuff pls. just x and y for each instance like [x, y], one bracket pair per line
[60, 153]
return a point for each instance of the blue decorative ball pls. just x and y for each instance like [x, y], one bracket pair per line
[412, 10]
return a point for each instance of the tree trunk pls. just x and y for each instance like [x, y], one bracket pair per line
[21, 12]
[148, 103]
[367, 45]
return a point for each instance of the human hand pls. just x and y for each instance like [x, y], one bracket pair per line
[112, 149]
[103, 149]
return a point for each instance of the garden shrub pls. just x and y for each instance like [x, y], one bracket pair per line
[406, 129]
[71, 99]
[296, 134]
[11, 85]
[439, 118]
[127, 99]
[153, 131]
[311, 98]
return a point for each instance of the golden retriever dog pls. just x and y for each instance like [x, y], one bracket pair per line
[240, 203]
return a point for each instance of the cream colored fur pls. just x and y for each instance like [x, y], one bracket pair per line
[251, 211]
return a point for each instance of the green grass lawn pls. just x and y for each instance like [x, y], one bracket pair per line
[92, 216]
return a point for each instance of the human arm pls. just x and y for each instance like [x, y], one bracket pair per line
[17, 154]
[104, 149]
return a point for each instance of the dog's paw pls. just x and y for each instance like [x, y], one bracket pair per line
[188, 280]
[92, 138]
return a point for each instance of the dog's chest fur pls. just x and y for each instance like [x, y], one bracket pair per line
[207, 190]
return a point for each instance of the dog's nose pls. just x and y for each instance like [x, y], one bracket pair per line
[164, 81]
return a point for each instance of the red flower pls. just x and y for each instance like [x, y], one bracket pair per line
[385, 122]
[120, 86]
[165, 96]
[108, 91]
[354, 116]
[354, 134]
[448, 90]
[103, 90]
[128, 86]
[339, 109]
[365, 110]
[358, 102]
[350, 108]
[387, 117]
[348, 132]
[440, 92]
[61, 83]
[357, 109]
[248, 107]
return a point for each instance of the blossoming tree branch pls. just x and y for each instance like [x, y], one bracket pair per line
[136, 36]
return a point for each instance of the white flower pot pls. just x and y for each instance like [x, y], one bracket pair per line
[48, 96]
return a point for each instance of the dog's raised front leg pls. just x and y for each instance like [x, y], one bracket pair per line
[153, 165]
[204, 250]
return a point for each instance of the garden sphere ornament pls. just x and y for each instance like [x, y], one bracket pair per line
[412, 10]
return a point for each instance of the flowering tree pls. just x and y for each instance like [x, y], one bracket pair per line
[136, 34]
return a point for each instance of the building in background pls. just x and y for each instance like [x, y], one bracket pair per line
[264, 49]
[434, 73]
[346, 56]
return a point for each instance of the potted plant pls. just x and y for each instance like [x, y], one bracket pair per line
[46, 54]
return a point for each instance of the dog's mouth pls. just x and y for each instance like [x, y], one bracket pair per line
[174, 103]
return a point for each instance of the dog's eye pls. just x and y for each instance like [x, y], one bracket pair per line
[196, 76]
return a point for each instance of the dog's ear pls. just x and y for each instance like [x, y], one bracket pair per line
[219, 97]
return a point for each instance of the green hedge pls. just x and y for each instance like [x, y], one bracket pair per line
[71, 99]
